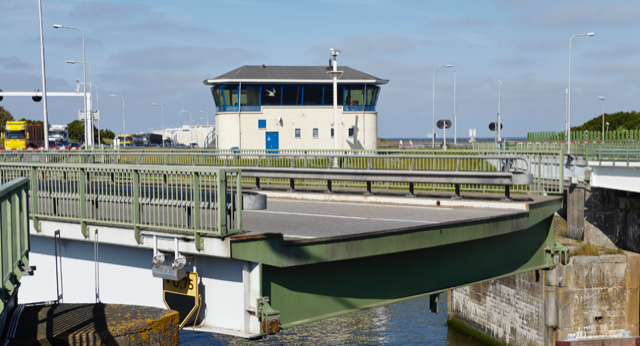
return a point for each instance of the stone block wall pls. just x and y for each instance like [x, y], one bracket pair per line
[616, 214]
[593, 297]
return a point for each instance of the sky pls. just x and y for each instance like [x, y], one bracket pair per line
[161, 51]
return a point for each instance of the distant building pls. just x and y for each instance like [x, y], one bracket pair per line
[291, 107]
[198, 136]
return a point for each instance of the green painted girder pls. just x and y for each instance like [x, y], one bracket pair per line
[273, 250]
[312, 280]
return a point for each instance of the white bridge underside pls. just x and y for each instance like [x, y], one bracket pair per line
[229, 288]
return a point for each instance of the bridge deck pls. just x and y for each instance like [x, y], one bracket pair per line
[310, 219]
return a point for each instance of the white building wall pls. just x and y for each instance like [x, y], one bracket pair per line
[304, 118]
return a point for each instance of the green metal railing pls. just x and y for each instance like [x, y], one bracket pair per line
[14, 235]
[561, 136]
[613, 155]
[197, 200]
[544, 164]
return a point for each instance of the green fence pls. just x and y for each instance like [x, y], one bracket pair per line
[14, 235]
[544, 164]
[561, 136]
[197, 200]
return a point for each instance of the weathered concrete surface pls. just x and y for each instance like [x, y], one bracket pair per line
[593, 297]
[96, 324]
[617, 215]
[575, 212]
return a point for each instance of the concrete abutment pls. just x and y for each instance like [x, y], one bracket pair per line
[593, 299]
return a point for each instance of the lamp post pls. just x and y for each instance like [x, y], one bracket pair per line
[602, 98]
[433, 129]
[44, 83]
[569, 98]
[335, 75]
[190, 131]
[97, 107]
[607, 127]
[207, 116]
[124, 127]
[499, 121]
[87, 135]
[455, 128]
[91, 99]
[157, 104]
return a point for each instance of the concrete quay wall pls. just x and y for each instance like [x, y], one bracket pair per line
[593, 298]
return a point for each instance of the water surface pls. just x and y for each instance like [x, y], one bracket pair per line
[404, 323]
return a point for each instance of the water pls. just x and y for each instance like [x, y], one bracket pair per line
[404, 323]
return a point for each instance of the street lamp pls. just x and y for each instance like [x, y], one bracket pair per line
[602, 98]
[569, 98]
[124, 127]
[87, 135]
[433, 129]
[207, 116]
[44, 82]
[607, 127]
[157, 104]
[190, 131]
[91, 91]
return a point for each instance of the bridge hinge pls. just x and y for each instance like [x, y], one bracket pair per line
[269, 318]
[561, 250]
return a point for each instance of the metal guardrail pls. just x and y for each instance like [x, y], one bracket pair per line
[14, 235]
[613, 156]
[197, 200]
[424, 170]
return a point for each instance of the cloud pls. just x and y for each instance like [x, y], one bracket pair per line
[512, 61]
[535, 44]
[365, 45]
[14, 63]
[582, 13]
[180, 57]
[466, 22]
[107, 11]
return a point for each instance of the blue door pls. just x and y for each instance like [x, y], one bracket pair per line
[272, 141]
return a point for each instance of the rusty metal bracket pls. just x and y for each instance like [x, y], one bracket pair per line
[561, 250]
[269, 318]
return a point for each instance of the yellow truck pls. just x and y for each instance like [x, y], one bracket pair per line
[20, 135]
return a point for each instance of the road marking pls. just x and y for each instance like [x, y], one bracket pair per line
[361, 204]
[338, 216]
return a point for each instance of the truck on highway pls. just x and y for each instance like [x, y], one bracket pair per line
[20, 135]
[150, 139]
[58, 132]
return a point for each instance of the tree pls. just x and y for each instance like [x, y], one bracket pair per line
[617, 121]
[107, 134]
[5, 115]
[76, 130]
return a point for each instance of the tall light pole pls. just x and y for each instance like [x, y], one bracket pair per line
[455, 128]
[190, 130]
[498, 123]
[87, 135]
[569, 99]
[157, 104]
[90, 90]
[207, 116]
[97, 107]
[566, 114]
[335, 75]
[124, 127]
[44, 83]
[602, 98]
[433, 129]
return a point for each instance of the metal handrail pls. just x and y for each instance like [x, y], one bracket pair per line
[173, 199]
[15, 241]
[292, 157]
